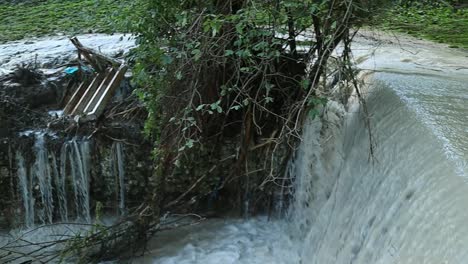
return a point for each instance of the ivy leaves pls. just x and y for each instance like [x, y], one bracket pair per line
[210, 108]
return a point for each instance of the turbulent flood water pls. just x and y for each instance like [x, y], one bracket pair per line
[410, 205]
[406, 204]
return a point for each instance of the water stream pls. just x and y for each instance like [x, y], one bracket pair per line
[79, 156]
[47, 53]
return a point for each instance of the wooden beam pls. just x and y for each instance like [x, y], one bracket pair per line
[79, 107]
[108, 93]
[75, 98]
[100, 90]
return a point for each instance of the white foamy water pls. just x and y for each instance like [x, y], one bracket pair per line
[255, 241]
[51, 52]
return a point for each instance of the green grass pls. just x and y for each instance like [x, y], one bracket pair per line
[48, 17]
[440, 24]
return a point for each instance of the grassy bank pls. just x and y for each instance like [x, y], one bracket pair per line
[47, 17]
[441, 24]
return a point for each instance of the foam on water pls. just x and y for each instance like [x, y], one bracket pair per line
[48, 52]
[225, 241]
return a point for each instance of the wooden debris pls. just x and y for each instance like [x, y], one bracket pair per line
[90, 99]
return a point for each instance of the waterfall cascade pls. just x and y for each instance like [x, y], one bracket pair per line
[405, 205]
[26, 191]
[56, 187]
[79, 158]
[118, 167]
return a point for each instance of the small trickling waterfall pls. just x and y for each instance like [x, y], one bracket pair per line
[78, 155]
[41, 171]
[56, 187]
[26, 191]
[119, 170]
[60, 183]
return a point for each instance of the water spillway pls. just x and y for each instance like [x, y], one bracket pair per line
[408, 205]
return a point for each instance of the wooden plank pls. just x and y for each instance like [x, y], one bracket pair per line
[98, 93]
[108, 93]
[75, 98]
[87, 95]
[91, 100]
[68, 93]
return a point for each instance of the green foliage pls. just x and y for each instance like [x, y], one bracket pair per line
[435, 21]
[38, 18]
[237, 71]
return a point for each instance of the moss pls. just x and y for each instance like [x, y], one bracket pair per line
[441, 24]
[39, 18]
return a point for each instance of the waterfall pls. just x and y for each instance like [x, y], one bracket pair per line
[56, 186]
[119, 168]
[60, 183]
[41, 172]
[78, 153]
[50, 177]
[26, 191]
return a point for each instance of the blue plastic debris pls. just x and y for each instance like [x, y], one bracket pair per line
[71, 70]
[74, 69]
